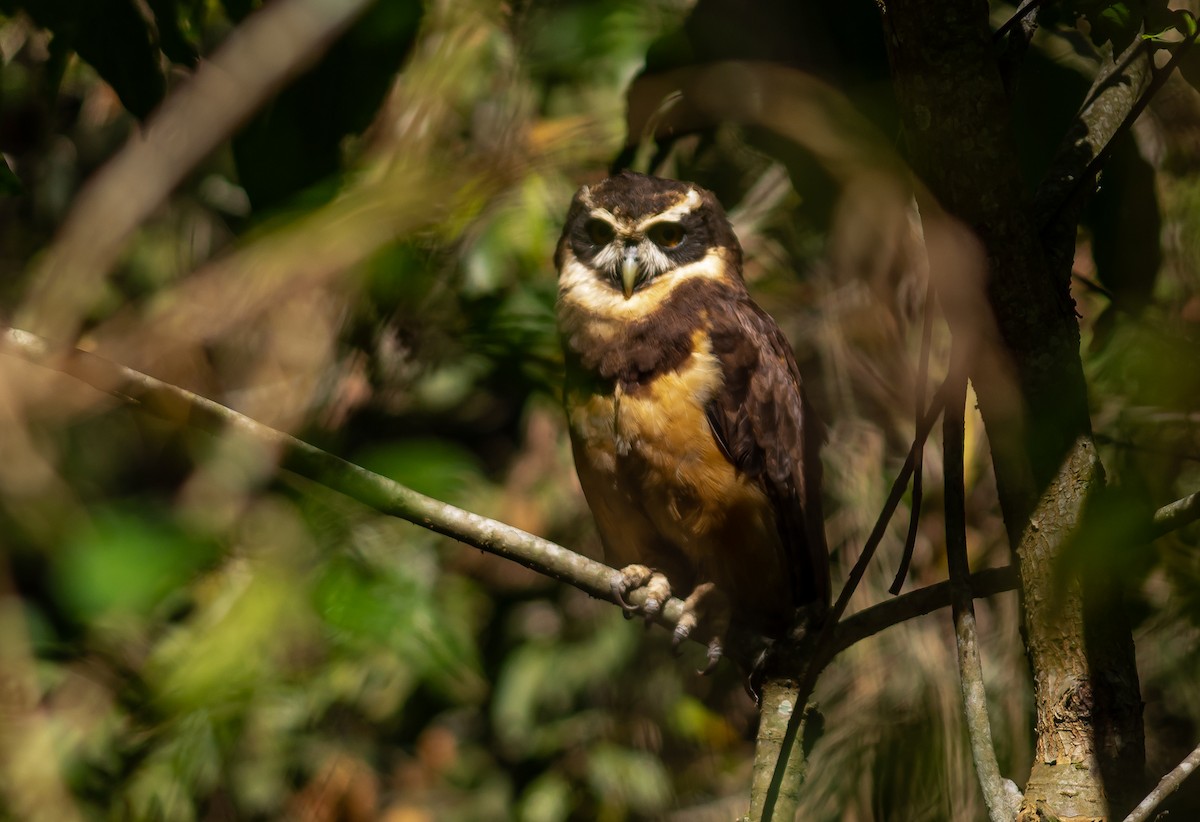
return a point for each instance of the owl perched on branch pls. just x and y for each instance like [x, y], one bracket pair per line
[694, 443]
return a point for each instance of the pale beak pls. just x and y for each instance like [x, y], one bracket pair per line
[631, 272]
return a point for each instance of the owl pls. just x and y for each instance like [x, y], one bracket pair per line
[694, 443]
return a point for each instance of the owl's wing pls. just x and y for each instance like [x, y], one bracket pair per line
[765, 426]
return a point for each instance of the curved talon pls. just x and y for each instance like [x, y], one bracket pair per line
[682, 631]
[714, 656]
[754, 686]
[618, 595]
[755, 677]
[760, 661]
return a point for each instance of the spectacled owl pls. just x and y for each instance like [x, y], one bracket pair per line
[693, 440]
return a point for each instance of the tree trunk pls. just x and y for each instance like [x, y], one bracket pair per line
[959, 138]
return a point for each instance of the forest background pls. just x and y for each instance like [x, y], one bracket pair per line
[338, 219]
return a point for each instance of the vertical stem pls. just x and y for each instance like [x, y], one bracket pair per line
[774, 790]
[1001, 796]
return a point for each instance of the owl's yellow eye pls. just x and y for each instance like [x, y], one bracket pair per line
[665, 235]
[599, 232]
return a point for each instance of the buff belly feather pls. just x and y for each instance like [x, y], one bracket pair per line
[665, 494]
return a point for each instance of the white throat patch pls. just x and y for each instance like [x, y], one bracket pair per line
[580, 287]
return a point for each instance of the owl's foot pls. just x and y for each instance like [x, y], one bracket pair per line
[632, 577]
[707, 605]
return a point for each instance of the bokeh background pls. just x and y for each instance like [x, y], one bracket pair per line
[189, 633]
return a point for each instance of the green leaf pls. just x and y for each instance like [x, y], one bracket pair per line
[1118, 23]
[126, 561]
[1160, 19]
[1185, 23]
[547, 799]
[361, 606]
[633, 779]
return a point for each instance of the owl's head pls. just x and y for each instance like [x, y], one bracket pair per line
[631, 233]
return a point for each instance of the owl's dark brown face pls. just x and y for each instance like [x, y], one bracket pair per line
[633, 234]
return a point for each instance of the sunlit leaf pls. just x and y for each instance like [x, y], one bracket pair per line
[127, 561]
[628, 778]
[234, 644]
[547, 799]
[367, 607]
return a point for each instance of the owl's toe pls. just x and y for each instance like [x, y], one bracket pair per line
[708, 606]
[631, 578]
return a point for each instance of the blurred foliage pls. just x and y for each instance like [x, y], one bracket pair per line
[188, 633]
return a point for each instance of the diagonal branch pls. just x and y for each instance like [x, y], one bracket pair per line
[914, 516]
[885, 516]
[1070, 182]
[1174, 515]
[1118, 94]
[872, 620]
[1165, 787]
[174, 403]
[1027, 7]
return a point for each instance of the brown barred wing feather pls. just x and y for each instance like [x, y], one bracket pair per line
[767, 429]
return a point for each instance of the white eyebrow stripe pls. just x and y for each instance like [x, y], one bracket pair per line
[675, 213]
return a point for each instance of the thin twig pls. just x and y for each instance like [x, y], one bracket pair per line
[782, 726]
[885, 516]
[919, 602]
[1000, 795]
[914, 515]
[1018, 15]
[1017, 45]
[1175, 515]
[1165, 787]
[1157, 79]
